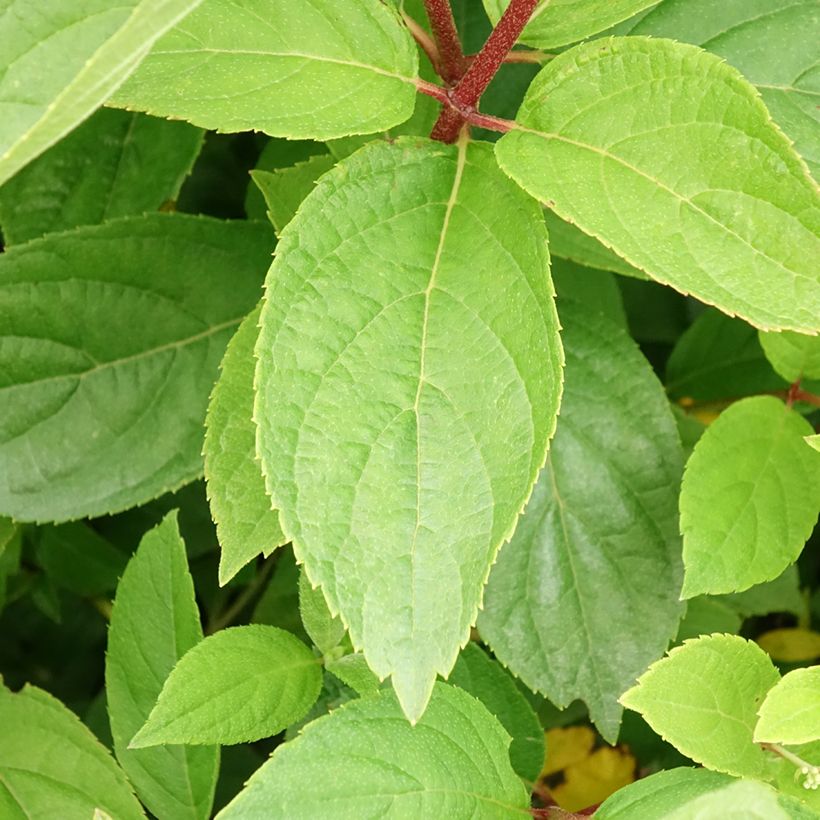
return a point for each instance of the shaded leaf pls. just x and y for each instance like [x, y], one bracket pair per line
[325, 631]
[791, 645]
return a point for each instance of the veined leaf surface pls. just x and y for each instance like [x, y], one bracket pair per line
[408, 379]
[667, 155]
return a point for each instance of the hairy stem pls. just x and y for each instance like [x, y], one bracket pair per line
[451, 57]
[470, 117]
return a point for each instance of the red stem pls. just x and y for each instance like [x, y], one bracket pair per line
[472, 117]
[451, 63]
[465, 96]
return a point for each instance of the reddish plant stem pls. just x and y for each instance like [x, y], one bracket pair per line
[465, 96]
[451, 63]
[472, 117]
[425, 41]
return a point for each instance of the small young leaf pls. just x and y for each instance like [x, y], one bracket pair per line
[238, 685]
[325, 631]
[60, 61]
[52, 766]
[285, 188]
[354, 671]
[597, 553]
[560, 22]
[791, 712]
[246, 522]
[314, 69]
[667, 155]
[419, 405]
[703, 698]
[793, 355]
[749, 497]
[115, 164]
[154, 622]
[372, 763]
[110, 338]
[475, 672]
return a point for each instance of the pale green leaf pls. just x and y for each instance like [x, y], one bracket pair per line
[291, 68]
[354, 671]
[246, 523]
[560, 22]
[743, 800]
[60, 61]
[371, 762]
[705, 615]
[569, 242]
[419, 405]
[703, 698]
[325, 631]
[749, 497]
[791, 712]
[110, 339]
[779, 595]
[772, 42]
[597, 553]
[155, 621]
[52, 766]
[115, 164]
[667, 155]
[285, 188]
[238, 685]
[475, 672]
[794, 356]
[813, 441]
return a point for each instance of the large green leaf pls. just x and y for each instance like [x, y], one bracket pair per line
[115, 164]
[238, 685]
[559, 22]
[246, 523]
[372, 763]
[413, 333]
[155, 621]
[597, 553]
[667, 155]
[794, 356]
[772, 42]
[703, 698]
[59, 61]
[791, 711]
[52, 766]
[111, 338]
[291, 68]
[749, 497]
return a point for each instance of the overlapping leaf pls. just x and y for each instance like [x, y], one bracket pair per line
[791, 711]
[110, 338]
[155, 621]
[586, 594]
[667, 155]
[60, 61]
[794, 356]
[291, 68]
[749, 497]
[413, 333]
[373, 763]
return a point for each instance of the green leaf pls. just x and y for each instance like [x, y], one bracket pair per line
[596, 555]
[744, 800]
[595, 289]
[77, 558]
[285, 188]
[791, 712]
[667, 155]
[115, 164]
[813, 441]
[705, 615]
[703, 698]
[52, 766]
[353, 671]
[772, 42]
[780, 595]
[245, 520]
[794, 356]
[560, 22]
[372, 763]
[238, 685]
[475, 672]
[719, 358]
[60, 61]
[569, 242]
[419, 406]
[291, 68]
[325, 631]
[749, 498]
[110, 340]
[155, 621]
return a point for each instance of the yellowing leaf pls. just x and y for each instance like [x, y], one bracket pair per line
[595, 778]
[567, 746]
[791, 645]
